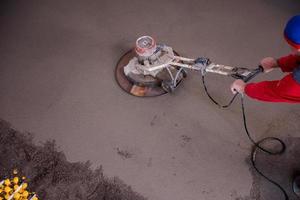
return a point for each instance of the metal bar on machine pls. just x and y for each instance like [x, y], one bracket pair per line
[219, 69]
[181, 65]
[174, 63]
[213, 65]
[184, 59]
[157, 67]
[217, 72]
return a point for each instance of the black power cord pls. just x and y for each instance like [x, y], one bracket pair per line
[213, 100]
[256, 145]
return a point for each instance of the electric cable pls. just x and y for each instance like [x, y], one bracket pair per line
[213, 100]
[256, 145]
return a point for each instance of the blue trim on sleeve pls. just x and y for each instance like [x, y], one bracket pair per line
[296, 74]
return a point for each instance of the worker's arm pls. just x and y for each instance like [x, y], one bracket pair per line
[289, 63]
[286, 63]
[284, 90]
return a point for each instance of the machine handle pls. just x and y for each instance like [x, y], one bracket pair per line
[254, 73]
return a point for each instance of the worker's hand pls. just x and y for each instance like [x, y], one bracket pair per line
[238, 86]
[268, 64]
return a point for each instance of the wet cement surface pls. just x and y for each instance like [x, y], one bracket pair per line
[56, 80]
[280, 168]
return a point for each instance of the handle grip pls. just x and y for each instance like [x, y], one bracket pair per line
[254, 73]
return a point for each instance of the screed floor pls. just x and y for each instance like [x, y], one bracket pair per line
[57, 81]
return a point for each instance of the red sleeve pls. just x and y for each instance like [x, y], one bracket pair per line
[284, 90]
[288, 63]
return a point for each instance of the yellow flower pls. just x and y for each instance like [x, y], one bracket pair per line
[34, 198]
[16, 180]
[25, 194]
[24, 185]
[7, 189]
[7, 182]
[17, 196]
[16, 187]
[6, 196]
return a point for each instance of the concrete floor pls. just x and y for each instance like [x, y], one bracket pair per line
[57, 81]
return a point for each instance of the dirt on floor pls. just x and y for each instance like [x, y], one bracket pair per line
[49, 173]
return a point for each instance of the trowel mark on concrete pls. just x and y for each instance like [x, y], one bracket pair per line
[156, 119]
[185, 139]
[152, 123]
[124, 153]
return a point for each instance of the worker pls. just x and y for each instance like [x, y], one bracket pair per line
[288, 88]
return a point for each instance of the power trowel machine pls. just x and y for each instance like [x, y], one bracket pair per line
[154, 69]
